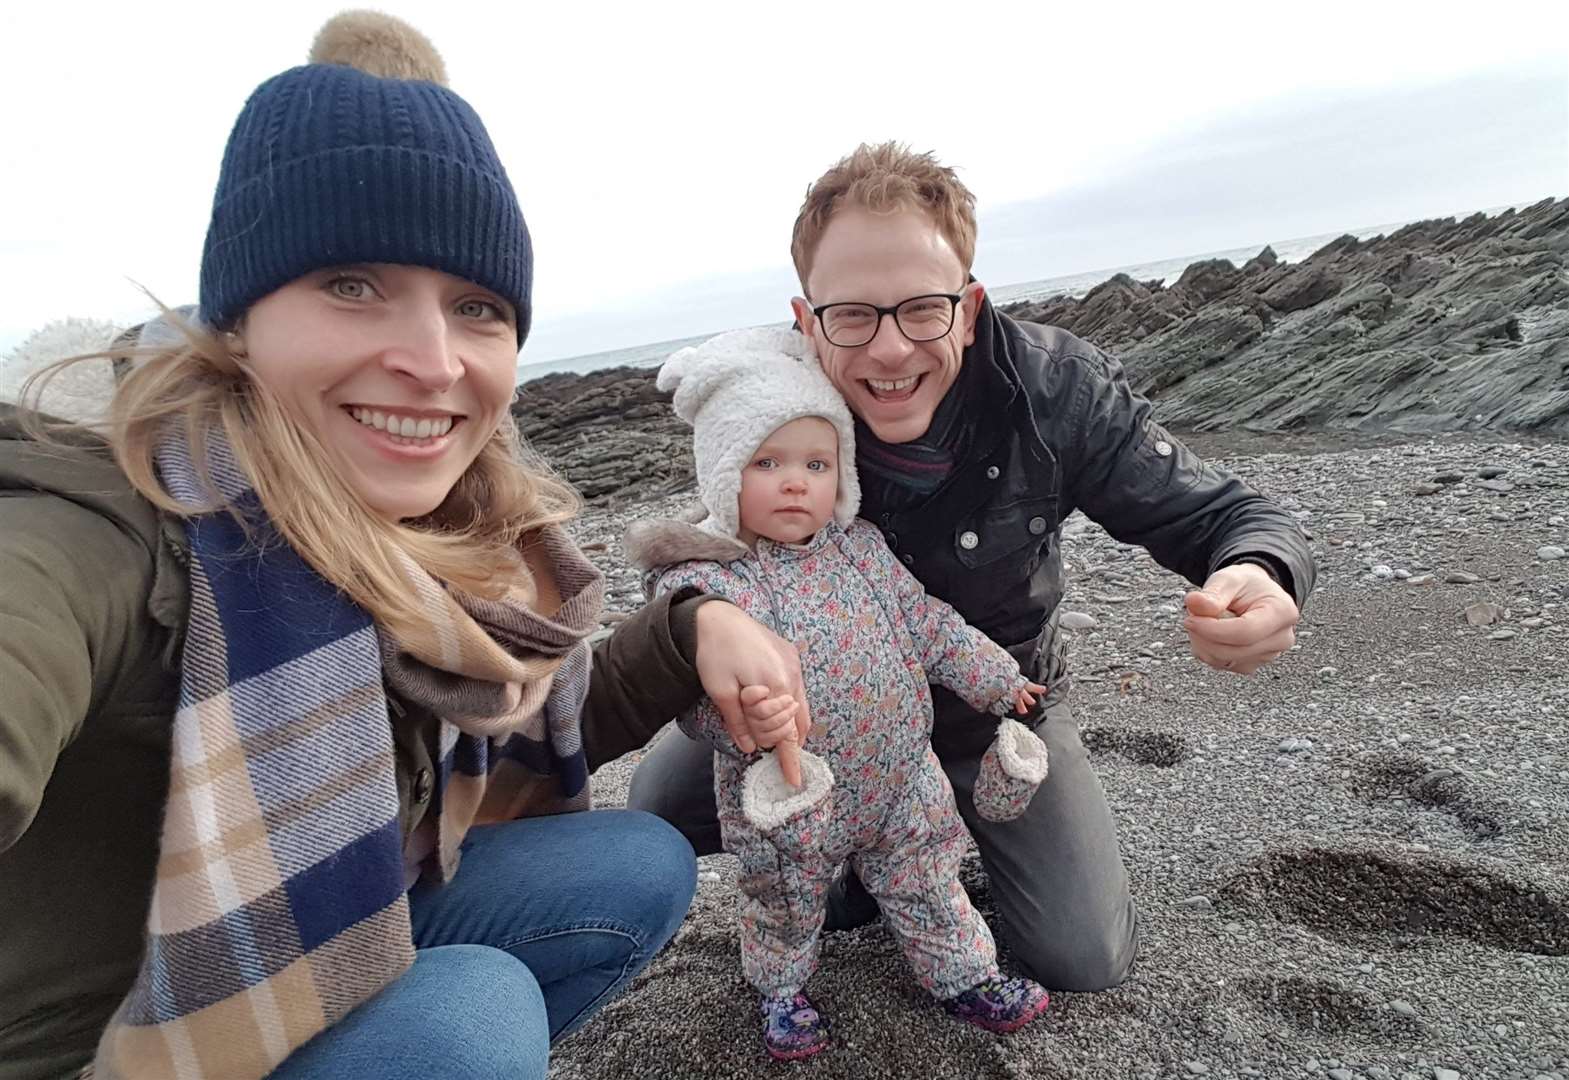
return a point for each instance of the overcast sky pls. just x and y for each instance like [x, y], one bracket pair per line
[660, 152]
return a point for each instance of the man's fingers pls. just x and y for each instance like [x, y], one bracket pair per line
[789, 755]
[1258, 622]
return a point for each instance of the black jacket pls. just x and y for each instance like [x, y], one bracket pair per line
[1061, 430]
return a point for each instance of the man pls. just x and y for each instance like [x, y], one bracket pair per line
[976, 437]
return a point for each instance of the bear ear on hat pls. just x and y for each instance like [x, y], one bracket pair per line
[379, 45]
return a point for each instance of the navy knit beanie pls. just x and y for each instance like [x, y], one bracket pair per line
[330, 164]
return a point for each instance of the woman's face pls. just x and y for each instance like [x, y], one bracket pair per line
[403, 373]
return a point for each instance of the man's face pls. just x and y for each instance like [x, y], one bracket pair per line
[892, 383]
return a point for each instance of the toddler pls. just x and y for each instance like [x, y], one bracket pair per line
[775, 454]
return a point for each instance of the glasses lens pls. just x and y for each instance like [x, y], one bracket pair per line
[925, 318]
[849, 325]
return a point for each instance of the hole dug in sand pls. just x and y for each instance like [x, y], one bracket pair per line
[1386, 775]
[1344, 894]
[1325, 1008]
[1141, 747]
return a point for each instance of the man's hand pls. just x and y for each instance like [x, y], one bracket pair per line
[1240, 620]
[734, 652]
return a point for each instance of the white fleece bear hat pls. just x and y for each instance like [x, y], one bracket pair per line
[738, 388]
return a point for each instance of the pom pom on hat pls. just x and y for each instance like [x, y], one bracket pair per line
[380, 45]
[738, 388]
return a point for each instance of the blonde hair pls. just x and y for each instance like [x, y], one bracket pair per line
[199, 387]
[882, 179]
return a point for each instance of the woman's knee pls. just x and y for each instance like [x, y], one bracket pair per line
[656, 871]
[460, 1010]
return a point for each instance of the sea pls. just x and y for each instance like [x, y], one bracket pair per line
[1075, 285]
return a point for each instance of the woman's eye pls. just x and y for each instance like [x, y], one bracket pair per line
[350, 288]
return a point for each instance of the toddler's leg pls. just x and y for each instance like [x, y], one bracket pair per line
[781, 926]
[916, 883]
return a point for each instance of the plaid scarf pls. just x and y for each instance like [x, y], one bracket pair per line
[279, 903]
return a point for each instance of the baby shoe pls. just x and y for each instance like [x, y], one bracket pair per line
[792, 1027]
[794, 819]
[1011, 769]
[999, 1005]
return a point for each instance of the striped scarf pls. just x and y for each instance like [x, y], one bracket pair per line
[279, 903]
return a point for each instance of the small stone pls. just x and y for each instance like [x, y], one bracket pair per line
[1550, 552]
[1402, 573]
[1503, 635]
[1448, 478]
[1382, 572]
[1196, 903]
[1420, 579]
[1535, 622]
[1496, 485]
[1341, 1074]
[1311, 1064]
[1403, 1007]
[1078, 620]
[1295, 745]
[1232, 928]
[1483, 613]
[1427, 489]
[1197, 1068]
[1444, 1074]
[1491, 472]
[1461, 577]
[1327, 673]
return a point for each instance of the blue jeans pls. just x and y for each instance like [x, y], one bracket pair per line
[546, 920]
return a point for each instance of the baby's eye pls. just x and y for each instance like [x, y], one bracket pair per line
[764, 463]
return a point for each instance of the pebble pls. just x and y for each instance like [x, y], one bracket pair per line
[1078, 620]
[1341, 1074]
[1461, 577]
[1491, 472]
[1196, 903]
[1500, 486]
[1403, 1007]
[1382, 572]
[1402, 573]
[1427, 489]
[1198, 1068]
[1535, 622]
[1503, 635]
[1295, 745]
[1420, 579]
[1448, 478]
[1327, 673]
[1483, 614]
[1550, 552]
[1445, 1074]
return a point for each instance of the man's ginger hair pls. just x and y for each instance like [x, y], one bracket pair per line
[883, 179]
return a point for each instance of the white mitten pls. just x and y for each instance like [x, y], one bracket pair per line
[1011, 769]
[794, 819]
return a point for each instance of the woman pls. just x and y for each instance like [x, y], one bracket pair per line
[302, 656]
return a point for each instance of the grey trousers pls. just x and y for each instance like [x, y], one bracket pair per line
[1056, 875]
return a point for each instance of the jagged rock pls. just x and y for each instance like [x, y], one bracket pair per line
[1440, 326]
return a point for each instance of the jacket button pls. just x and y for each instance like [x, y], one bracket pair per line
[1037, 525]
[892, 538]
[968, 541]
[993, 472]
[1163, 448]
[423, 784]
[909, 560]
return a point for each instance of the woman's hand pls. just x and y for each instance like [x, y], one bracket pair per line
[735, 652]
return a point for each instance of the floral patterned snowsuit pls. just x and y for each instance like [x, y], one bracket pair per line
[870, 638]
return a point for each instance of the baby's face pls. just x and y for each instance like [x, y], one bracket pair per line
[789, 484]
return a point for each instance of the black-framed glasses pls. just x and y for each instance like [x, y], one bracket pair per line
[920, 318]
